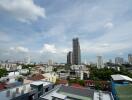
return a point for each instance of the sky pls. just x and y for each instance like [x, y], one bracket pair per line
[44, 29]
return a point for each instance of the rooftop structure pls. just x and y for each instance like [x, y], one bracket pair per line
[62, 92]
[121, 87]
[27, 91]
[119, 77]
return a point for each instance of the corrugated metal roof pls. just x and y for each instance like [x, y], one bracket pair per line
[119, 77]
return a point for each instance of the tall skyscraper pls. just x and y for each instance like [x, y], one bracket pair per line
[69, 58]
[119, 60]
[130, 58]
[76, 52]
[100, 62]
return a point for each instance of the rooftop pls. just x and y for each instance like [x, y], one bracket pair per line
[119, 77]
[36, 77]
[40, 82]
[14, 92]
[19, 90]
[124, 92]
[58, 95]
[73, 93]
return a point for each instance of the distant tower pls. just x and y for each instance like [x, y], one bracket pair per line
[100, 62]
[119, 60]
[50, 62]
[27, 60]
[69, 58]
[76, 52]
[110, 61]
[130, 58]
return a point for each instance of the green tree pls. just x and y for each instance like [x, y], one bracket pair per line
[20, 79]
[3, 72]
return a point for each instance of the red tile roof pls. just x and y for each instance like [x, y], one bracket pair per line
[2, 86]
[77, 85]
[62, 82]
[36, 77]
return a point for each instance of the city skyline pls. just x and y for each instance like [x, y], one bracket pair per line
[43, 30]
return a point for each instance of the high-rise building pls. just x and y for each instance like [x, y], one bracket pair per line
[27, 60]
[69, 58]
[50, 62]
[110, 60]
[100, 62]
[76, 52]
[119, 60]
[130, 58]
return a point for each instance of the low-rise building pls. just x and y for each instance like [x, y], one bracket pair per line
[79, 71]
[62, 92]
[121, 87]
[48, 69]
[30, 91]
[52, 77]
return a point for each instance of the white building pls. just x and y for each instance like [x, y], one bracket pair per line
[51, 77]
[80, 71]
[27, 60]
[24, 71]
[48, 69]
[9, 66]
[100, 62]
[50, 62]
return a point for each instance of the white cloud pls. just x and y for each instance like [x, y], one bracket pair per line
[22, 10]
[48, 48]
[108, 25]
[51, 48]
[115, 40]
[104, 45]
[19, 49]
[65, 50]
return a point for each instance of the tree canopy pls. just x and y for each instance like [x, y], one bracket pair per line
[3, 72]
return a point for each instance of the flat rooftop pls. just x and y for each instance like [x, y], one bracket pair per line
[119, 77]
[73, 93]
[3, 94]
[41, 82]
[80, 93]
[23, 89]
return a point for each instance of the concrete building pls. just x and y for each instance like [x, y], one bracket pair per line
[30, 91]
[51, 77]
[76, 52]
[27, 60]
[62, 92]
[9, 66]
[69, 58]
[119, 60]
[79, 71]
[130, 58]
[48, 69]
[50, 62]
[63, 75]
[100, 62]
